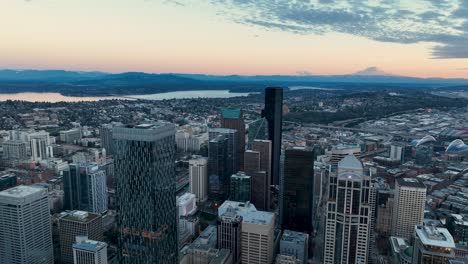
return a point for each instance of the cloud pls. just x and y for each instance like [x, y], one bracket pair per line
[444, 22]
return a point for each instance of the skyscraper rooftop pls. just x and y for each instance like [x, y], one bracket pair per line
[144, 132]
[231, 112]
[248, 212]
[79, 216]
[435, 236]
[410, 182]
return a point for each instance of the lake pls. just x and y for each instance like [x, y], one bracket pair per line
[56, 97]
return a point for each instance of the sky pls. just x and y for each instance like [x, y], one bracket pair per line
[422, 38]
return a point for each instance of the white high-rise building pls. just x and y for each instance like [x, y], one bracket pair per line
[408, 207]
[14, 150]
[348, 214]
[40, 146]
[86, 251]
[97, 190]
[187, 207]
[257, 232]
[198, 174]
[25, 226]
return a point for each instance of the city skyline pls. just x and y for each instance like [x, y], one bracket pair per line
[420, 38]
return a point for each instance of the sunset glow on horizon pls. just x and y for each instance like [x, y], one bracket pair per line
[189, 37]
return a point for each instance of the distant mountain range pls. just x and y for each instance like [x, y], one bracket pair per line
[101, 83]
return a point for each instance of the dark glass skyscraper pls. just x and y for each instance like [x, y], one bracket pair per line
[146, 193]
[297, 189]
[217, 167]
[84, 187]
[273, 112]
[223, 161]
[233, 118]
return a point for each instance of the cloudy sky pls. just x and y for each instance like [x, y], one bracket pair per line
[425, 38]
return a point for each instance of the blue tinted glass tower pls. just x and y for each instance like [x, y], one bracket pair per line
[146, 193]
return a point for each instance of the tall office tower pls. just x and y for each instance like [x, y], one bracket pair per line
[257, 231]
[232, 147]
[77, 223]
[433, 245]
[384, 214]
[342, 150]
[397, 152]
[85, 188]
[187, 222]
[264, 147]
[372, 221]
[295, 244]
[86, 251]
[258, 166]
[40, 148]
[198, 176]
[105, 133]
[273, 113]
[233, 118]
[241, 187]
[252, 161]
[408, 206]
[298, 189]
[218, 172]
[229, 226]
[25, 226]
[348, 214]
[258, 129]
[14, 150]
[146, 193]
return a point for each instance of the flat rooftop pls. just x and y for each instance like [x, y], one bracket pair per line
[410, 182]
[79, 216]
[89, 245]
[293, 236]
[144, 132]
[21, 191]
[248, 212]
[222, 130]
[435, 236]
[231, 113]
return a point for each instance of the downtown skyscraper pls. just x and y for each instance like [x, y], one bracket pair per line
[348, 215]
[408, 207]
[297, 189]
[273, 113]
[233, 118]
[146, 193]
[85, 188]
[223, 161]
[25, 226]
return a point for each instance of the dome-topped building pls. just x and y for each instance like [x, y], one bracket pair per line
[457, 146]
[423, 140]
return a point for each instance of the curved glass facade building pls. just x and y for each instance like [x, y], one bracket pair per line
[146, 193]
[457, 146]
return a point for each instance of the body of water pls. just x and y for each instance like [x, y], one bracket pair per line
[295, 88]
[56, 97]
[189, 94]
